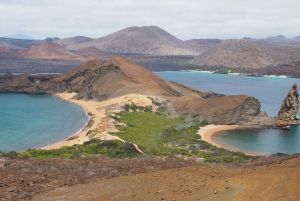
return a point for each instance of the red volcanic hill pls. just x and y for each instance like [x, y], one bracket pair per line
[5, 50]
[49, 51]
[101, 80]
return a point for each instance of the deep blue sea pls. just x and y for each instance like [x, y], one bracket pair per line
[270, 91]
[36, 121]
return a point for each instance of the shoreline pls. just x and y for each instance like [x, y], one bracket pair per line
[95, 115]
[80, 136]
[208, 131]
[96, 112]
[77, 132]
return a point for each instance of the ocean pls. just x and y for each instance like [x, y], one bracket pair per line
[36, 121]
[270, 91]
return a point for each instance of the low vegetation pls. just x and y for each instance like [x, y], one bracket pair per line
[155, 133]
[113, 148]
[160, 135]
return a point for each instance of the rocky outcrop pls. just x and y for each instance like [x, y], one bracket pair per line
[234, 109]
[289, 108]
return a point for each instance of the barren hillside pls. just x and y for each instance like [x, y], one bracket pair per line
[49, 51]
[137, 40]
[246, 54]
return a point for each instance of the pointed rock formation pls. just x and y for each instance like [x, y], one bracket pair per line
[289, 108]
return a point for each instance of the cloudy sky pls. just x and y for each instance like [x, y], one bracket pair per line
[185, 19]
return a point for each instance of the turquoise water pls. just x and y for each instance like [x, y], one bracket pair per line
[270, 91]
[261, 142]
[36, 121]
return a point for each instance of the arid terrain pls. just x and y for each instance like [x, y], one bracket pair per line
[48, 51]
[246, 54]
[149, 178]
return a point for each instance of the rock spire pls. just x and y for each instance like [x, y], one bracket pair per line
[289, 108]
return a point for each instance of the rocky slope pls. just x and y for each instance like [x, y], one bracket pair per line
[137, 40]
[101, 80]
[233, 109]
[49, 51]
[246, 54]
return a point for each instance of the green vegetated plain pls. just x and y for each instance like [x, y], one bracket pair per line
[155, 133]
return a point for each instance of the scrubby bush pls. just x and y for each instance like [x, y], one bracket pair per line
[148, 109]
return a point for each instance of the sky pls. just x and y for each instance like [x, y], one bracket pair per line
[185, 19]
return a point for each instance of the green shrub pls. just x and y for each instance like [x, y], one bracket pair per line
[133, 107]
[11, 154]
[126, 107]
[148, 109]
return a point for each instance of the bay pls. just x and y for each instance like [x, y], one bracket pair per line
[36, 121]
[270, 91]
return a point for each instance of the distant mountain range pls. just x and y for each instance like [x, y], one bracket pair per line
[19, 36]
[279, 40]
[152, 40]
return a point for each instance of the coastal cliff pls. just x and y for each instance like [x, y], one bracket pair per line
[234, 109]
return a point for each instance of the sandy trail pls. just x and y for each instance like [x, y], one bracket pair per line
[97, 111]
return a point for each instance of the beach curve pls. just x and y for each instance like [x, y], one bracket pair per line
[208, 131]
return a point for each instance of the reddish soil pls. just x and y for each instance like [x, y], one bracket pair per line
[154, 178]
[49, 51]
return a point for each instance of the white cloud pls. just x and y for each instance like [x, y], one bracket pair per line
[184, 19]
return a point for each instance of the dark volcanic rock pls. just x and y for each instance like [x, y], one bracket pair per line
[289, 108]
